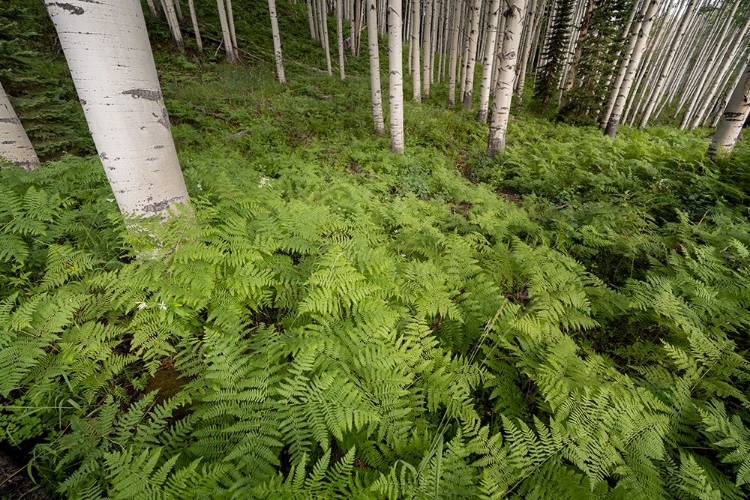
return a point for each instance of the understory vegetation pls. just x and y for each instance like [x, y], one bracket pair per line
[567, 320]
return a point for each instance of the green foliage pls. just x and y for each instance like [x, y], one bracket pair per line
[338, 322]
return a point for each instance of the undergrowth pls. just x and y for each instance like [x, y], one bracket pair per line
[568, 320]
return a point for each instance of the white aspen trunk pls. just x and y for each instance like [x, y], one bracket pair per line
[498, 50]
[360, 22]
[488, 61]
[277, 42]
[230, 20]
[414, 49]
[353, 27]
[226, 35]
[340, 38]
[372, 45]
[453, 62]
[689, 114]
[667, 66]
[640, 46]
[708, 97]
[434, 47]
[427, 44]
[311, 20]
[323, 15]
[583, 31]
[624, 63]
[719, 82]
[152, 8]
[174, 26]
[15, 145]
[728, 96]
[395, 81]
[514, 17]
[733, 118]
[444, 44]
[465, 50]
[178, 9]
[194, 20]
[110, 59]
[526, 52]
[472, 56]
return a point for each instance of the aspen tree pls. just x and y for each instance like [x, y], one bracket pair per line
[152, 8]
[340, 38]
[311, 20]
[174, 25]
[232, 56]
[372, 45]
[733, 118]
[177, 9]
[503, 95]
[638, 49]
[723, 104]
[276, 42]
[230, 20]
[427, 44]
[15, 145]
[395, 80]
[323, 20]
[721, 83]
[578, 52]
[194, 20]
[531, 20]
[689, 114]
[471, 58]
[453, 63]
[414, 49]
[110, 59]
[488, 61]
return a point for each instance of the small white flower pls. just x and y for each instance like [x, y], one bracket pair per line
[111, 200]
[141, 305]
[162, 306]
[200, 187]
[263, 181]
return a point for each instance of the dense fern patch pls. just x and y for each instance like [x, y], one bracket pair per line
[568, 320]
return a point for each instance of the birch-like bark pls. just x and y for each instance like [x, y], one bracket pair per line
[226, 35]
[733, 119]
[514, 15]
[177, 9]
[427, 44]
[311, 20]
[414, 49]
[526, 51]
[638, 50]
[194, 20]
[583, 32]
[15, 145]
[472, 56]
[174, 25]
[453, 62]
[323, 15]
[230, 20]
[372, 45]
[728, 96]
[276, 42]
[689, 114]
[395, 80]
[110, 59]
[488, 61]
[152, 8]
[340, 38]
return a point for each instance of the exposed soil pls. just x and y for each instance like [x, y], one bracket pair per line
[15, 483]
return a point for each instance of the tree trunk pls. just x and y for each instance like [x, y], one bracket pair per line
[395, 81]
[311, 20]
[733, 119]
[152, 8]
[452, 64]
[427, 44]
[416, 14]
[110, 59]
[573, 69]
[638, 50]
[174, 25]
[372, 45]
[230, 20]
[488, 61]
[194, 20]
[178, 9]
[514, 16]
[15, 145]
[340, 38]
[226, 35]
[526, 52]
[472, 56]
[277, 42]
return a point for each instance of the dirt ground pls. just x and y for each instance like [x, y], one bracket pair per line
[15, 483]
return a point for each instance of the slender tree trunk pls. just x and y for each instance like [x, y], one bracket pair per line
[427, 44]
[178, 9]
[526, 52]
[174, 25]
[226, 35]
[323, 14]
[638, 50]
[733, 119]
[416, 15]
[194, 20]
[311, 20]
[230, 20]
[728, 96]
[152, 8]
[472, 56]
[110, 59]
[372, 45]
[514, 16]
[276, 42]
[340, 38]
[488, 61]
[15, 145]
[395, 81]
[453, 63]
[570, 80]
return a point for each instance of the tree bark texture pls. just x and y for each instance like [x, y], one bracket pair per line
[15, 145]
